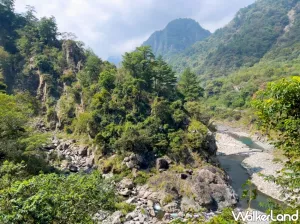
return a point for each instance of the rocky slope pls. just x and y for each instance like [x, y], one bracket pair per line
[178, 35]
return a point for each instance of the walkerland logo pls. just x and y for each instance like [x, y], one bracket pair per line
[256, 216]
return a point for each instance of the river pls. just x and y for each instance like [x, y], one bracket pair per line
[239, 175]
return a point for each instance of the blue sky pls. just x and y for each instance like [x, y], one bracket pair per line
[112, 27]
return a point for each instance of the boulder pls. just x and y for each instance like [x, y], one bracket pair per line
[130, 164]
[188, 204]
[101, 215]
[126, 183]
[162, 164]
[125, 192]
[83, 151]
[183, 176]
[73, 168]
[116, 217]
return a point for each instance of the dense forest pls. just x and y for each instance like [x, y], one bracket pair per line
[82, 141]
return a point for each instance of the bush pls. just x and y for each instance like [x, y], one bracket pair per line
[56, 198]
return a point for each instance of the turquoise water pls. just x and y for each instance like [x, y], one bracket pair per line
[247, 141]
[238, 175]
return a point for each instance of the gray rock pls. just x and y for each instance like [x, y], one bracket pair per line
[150, 203]
[126, 159]
[125, 192]
[131, 200]
[162, 164]
[130, 164]
[73, 168]
[126, 183]
[116, 217]
[131, 216]
[83, 151]
[183, 176]
[90, 162]
[101, 215]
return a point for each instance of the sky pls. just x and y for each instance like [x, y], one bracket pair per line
[112, 27]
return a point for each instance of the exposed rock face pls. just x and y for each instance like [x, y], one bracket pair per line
[178, 35]
[73, 55]
[135, 161]
[212, 190]
[210, 144]
[73, 157]
[207, 188]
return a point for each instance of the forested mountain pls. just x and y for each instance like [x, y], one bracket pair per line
[259, 45]
[176, 37]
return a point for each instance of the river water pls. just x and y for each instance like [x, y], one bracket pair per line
[238, 174]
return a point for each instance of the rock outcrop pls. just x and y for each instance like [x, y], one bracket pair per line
[72, 157]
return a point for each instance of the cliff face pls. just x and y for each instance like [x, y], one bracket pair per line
[176, 37]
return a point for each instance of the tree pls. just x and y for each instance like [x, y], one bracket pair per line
[140, 64]
[107, 79]
[9, 4]
[47, 29]
[164, 82]
[278, 110]
[92, 67]
[249, 193]
[189, 86]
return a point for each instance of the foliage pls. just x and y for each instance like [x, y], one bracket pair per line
[124, 207]
[55, 198]
[189, 86]
[225, 217]
[278, 110]
[249, 193]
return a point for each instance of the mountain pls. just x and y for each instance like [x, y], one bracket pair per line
[176, 37]
[261, 44]
[116, 60]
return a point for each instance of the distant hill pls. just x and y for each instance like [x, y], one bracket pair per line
[261, 44]
[243, 42]
[176, 37]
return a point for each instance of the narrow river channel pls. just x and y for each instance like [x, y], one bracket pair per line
[238, 174]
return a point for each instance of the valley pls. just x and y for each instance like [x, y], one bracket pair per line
[190, 126]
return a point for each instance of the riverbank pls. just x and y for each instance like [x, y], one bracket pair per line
[259, 160]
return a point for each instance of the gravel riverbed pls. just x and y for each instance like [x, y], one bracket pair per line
[258, 161]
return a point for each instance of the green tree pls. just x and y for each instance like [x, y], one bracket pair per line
[140, 64]
[278, 110]
[165, 81]
[249, 192]
[189, 86]
[47, 29]
[107, 79]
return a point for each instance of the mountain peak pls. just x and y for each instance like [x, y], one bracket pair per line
[176, 37]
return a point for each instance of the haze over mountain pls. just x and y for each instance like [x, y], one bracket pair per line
[176, 37]
[116, 60]
[260, 44]
[85, 141]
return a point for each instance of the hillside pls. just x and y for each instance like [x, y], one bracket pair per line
[259, 45]
[79, 137]
[178, 35]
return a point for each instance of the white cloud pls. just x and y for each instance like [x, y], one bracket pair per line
[111, 27]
